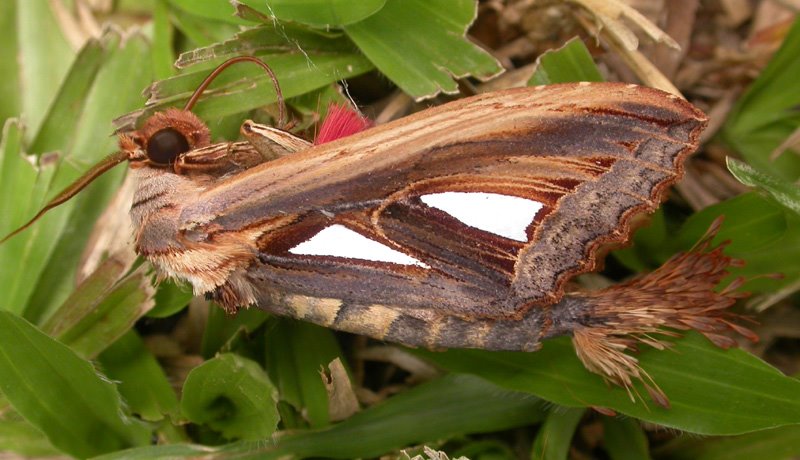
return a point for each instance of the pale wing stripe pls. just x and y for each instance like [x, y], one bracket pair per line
[506, 216]
[339, 241]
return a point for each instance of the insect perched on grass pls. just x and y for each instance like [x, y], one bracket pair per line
[458, 226]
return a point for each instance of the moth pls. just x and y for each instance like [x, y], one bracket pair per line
[456, 227]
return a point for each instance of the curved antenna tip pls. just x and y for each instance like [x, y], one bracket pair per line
[72, 189]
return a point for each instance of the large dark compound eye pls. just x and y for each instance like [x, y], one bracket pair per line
[165, 145]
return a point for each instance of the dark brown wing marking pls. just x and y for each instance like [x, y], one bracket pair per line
[592, 154]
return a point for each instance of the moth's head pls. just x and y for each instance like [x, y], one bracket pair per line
[159, 142]
[164, 137]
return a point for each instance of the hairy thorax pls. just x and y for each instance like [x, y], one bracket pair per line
[214, 263]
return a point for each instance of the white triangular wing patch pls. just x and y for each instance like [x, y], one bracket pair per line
[339, 241]
[507, 216]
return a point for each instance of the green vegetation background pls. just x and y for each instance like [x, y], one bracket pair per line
[77, 379]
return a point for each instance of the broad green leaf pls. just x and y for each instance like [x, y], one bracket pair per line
[141, 381]
[712, 391]
[751, 224]
[61, 394]
[572, 62]
[451, 406]
[783, 191]
[323, 13]
[554, 437]
[767, 113]
[421, 45]
[43, 55]
[777, 443]
[232, 395]
[761, 232]
[296, 353]
[624, 439]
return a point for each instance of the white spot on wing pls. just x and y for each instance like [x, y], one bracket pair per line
[340, 241]
[507, 216]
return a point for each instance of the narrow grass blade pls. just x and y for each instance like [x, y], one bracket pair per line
[555, 435]
[61, 394]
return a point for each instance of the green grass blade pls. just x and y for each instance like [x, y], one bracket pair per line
[554, 437]
[142, 382]
[106, 318]
[83, 301]
[296, 352]
[421, 45]
[163, 36]
[9, 65]
[57, 132]
[44, 56]
[624, 439]
[22, 187]
[15, 174]
[170, 299]
[222, 329]
[61, 394]
[23, 439]
[116, 89]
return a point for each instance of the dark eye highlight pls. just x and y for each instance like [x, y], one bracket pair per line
[165, 145]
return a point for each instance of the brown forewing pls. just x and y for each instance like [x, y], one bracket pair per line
[593, 154]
